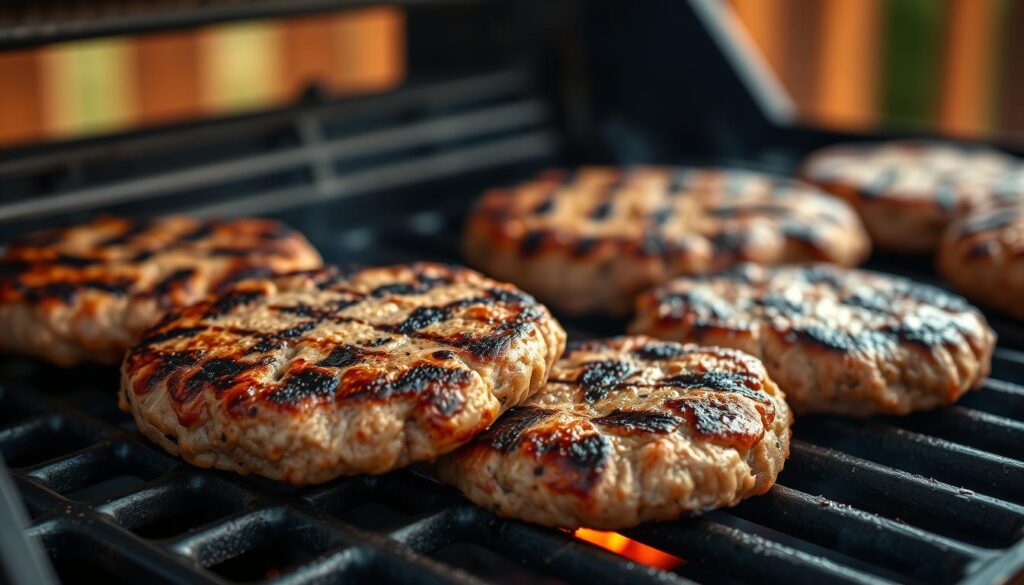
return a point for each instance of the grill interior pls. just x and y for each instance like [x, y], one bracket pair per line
[932, 498]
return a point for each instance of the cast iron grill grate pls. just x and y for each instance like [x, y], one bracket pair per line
[932, 498]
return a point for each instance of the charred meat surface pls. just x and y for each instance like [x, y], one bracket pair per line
[82, 293]
[982, 255]
[590, 240]
[674, 428]
[908, 191]
[308, 376]
[835, 339]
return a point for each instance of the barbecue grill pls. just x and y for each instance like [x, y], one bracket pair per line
[494, 93]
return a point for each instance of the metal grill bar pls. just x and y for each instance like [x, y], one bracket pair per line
[873, 519]
[408, 136]
[893, 545]
[743, 553]
[930, 498]
[989, 432]
[928, 456]
[941, 508]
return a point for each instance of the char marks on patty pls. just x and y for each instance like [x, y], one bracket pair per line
[311, 375]
[725, 404]
[221, 324]
[686, 428]
[590, 243]
[835, 339]
[95, 286]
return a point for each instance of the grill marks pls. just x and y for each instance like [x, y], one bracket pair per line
[634, 422]
[240, 273]
[304, 384]
[532, 242]
[602, 211]
[415, 380]
[989, 221]
[58, 267]
[349, 371]
[928, 325]
[438, 388]
[544, 207]
[423, 285]
[64, 290]
[744, 384]
[423, 317]
[482, 347]
[601, 215]
[504, 434]
[228, 302]
[575, 454]
[943, 175]
[73, 261]
[217, 372]
[656, 350]
[163, 365]
[597, 378]
[578, 454]
[720, 419]
[571, 436]
[187, 379]
[488, 347]
[172, 281]
[343, 357]
[717, 380]
[930, 331]
[895, 310]
[169, 334]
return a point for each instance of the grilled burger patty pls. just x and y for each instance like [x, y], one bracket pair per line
[907, 192]
[306, 377]
[982, 255]
[836, 340]
[589, 241]
[629, 430]
[82, 293]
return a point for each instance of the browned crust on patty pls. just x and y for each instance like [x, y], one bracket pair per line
[836, 340]
[310, 376]
[590, 240]
[82, 293]
[629, 430]
[982, 255]
[908, 191]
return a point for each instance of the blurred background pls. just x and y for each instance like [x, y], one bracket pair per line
[946, 66]
[77, 88]
[952, 66]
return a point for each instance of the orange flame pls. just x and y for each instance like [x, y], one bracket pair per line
[629, 548]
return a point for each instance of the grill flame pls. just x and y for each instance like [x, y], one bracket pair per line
[631, 549]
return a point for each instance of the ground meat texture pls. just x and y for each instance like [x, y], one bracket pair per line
[836, 340]
[309, 376]
[676, 428]
[81, 294]
[908, 191]
[982, 255]
[589, 241]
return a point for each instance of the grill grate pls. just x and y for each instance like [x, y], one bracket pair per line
[930, 498]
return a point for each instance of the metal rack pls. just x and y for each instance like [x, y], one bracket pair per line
[931, 498]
